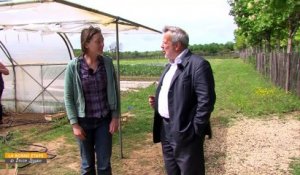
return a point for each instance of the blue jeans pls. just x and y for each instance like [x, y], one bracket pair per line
[98, 142]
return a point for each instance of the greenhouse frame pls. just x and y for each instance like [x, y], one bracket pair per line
[35, 46]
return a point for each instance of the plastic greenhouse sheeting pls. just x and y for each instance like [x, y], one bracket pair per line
[61, 16]
[39, 62]
[34, 46]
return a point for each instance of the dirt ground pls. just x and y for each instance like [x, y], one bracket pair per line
[245, 147]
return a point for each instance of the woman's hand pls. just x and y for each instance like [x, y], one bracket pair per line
[78, 131]
[114, 125]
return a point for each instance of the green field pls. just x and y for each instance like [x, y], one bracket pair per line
[141, 68]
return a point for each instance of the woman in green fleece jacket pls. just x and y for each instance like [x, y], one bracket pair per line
[91, 102]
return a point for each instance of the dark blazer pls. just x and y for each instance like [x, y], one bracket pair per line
[191, 99]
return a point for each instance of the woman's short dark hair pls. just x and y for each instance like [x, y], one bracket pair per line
[86, 36]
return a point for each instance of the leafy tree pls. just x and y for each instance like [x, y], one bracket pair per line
[263, 21]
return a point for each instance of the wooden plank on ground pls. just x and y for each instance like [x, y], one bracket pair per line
[56, 116]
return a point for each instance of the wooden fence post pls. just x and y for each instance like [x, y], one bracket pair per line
[287, 78]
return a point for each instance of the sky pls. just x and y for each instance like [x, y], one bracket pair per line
[205, 21]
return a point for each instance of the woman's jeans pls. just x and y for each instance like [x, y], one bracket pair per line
[98, 143]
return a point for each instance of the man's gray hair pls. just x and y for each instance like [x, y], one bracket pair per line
[177, 35]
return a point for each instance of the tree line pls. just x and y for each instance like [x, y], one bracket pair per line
[201, 49]
[266, 25]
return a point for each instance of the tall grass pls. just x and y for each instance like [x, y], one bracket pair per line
[295, 166]
[240, 89]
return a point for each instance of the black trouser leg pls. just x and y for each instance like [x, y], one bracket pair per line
[168, 147]
[182, 158]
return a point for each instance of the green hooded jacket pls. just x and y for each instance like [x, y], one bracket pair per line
[73, 93]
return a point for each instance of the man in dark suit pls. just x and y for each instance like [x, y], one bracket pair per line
[184, 100]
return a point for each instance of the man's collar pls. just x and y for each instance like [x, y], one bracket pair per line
[178, 59]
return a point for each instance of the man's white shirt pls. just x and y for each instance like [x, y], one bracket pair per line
[163, 99]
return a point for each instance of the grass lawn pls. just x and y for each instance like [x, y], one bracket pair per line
[240, 91]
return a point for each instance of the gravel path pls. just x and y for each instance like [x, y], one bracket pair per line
[262, 146]
[134, 85]
[247, 147]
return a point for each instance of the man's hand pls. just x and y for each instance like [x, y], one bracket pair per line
[151, 100]
[114, 125]
[78, 131]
